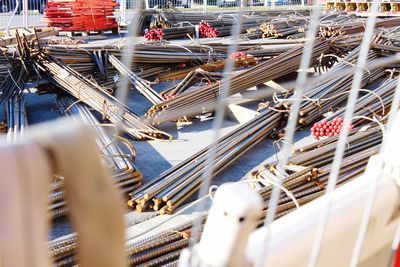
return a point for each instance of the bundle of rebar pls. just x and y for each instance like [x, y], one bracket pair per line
[125, 175]
[15, 111]
[191, 79]
[149, 53]
[284, 27]
[91, 94]
[138, 83]
[349, 25]
[306, 183]
[306, 175]
[13, 81]
[375, 104]
[192, 103]
[328, 91]
[170, 189]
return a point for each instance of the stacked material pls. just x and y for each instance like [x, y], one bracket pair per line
[169, 190]
[151, 95]
[81, 15]
[222, 20]
[328, 91]
[125, 174]
[308, 169]
[191, 103]
[93, 95]
[15, 111]
[306, 183]
[375, 104]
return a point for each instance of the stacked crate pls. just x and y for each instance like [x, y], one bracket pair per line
[81, 15]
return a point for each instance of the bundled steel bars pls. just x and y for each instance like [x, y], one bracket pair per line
[15, 110]
[125, 176]
[373, 105]
[191, 79]
[191, 103]
[306, 183]
[138, 83]
[169, 190]
[90, 93]
[329, 90]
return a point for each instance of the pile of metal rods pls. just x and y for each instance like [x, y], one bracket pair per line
[193, 18]
[15, 110]
[125, 175]
[170, 189]
[5, 67]
[372, 105]
[284, 27]
[192, 103]
[349, 25]
[182, 73]
[310, 170]
[261, 49]
[13, 81]
[191, 79]
[91, 94]
[328, 91]
[145, 53]
[305, 182]
[138, 83]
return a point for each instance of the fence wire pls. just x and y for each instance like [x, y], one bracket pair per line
[30, 13]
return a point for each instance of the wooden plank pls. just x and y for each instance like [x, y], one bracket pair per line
[6, 41]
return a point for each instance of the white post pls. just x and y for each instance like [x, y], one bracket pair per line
[204, 6]
[265, 3]
[302, 2]
[122, 11]
[147, 4]
[25, 13]
[272, 4]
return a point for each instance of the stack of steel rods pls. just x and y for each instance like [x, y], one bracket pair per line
[13, 82]
[178, 32]
[291, 26]
[284, 27]
[91, 94]
[373, 105]
[264, 49]
[5, 67]
[192, 103]
[151, 251]
[191, 79]
[351, 26]
[147, 53]
[309, 183]
[305, 184]
[195, 18]
[388, 40]
[169, 190]
[125, 176]
[138, 83]
[329, 90]
[15, 110]
[309, 167]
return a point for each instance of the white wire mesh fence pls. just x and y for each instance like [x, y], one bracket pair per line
[21, 13]
[29, 13]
